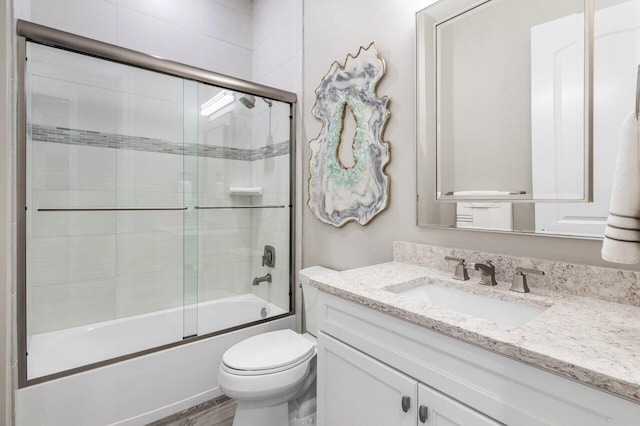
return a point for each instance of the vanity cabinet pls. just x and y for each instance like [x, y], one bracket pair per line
[357, 389]
[369, 360]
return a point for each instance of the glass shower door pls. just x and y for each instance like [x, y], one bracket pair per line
[106, 192]
[244, 208]
[158, 209]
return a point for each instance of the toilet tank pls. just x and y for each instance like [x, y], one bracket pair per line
[311, 313]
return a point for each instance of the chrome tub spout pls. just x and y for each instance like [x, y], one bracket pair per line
[258, 280]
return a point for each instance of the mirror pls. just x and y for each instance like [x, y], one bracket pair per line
[507, 147]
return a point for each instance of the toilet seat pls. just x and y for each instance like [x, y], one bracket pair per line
[268, 353]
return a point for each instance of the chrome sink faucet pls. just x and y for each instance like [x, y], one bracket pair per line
[487, 272]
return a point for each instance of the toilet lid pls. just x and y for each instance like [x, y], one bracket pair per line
[268, 351]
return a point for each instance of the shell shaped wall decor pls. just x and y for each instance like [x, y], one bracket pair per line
[339, 194]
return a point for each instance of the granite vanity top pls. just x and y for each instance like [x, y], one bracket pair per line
[592, 341]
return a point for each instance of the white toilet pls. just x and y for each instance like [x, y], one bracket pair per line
[272, 376]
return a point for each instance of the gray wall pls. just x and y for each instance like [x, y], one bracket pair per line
[334, 28]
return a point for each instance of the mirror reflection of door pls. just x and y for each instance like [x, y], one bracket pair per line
[616, 58]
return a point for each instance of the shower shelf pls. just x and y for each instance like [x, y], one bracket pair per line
[103, 209]
[239, 207]
[250, 191]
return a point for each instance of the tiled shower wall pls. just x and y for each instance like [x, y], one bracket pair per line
[103, 265]
[260, 41]
[210, 34]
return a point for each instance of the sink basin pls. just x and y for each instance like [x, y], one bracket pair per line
[506, 313]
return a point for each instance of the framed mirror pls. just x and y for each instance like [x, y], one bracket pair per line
[503, 144]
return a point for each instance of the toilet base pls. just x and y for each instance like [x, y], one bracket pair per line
[247, 415]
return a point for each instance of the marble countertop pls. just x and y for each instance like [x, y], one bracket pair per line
[588, 340]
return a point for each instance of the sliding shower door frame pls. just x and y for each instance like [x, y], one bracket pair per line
[31, 32]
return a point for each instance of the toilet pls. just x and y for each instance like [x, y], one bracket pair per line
[272, 376]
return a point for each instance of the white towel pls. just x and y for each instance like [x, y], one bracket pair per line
[498, 216]
[483, 215]
[621, 242]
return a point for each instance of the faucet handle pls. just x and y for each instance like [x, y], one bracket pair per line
[520, 270]
[519, 282]
[461, 271]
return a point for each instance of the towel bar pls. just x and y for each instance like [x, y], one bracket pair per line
[104, 209]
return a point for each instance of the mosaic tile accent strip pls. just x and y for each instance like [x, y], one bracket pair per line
[136, 143]
[608, 284]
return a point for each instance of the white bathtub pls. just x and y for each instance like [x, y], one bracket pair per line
[74, 347]
[142, 389]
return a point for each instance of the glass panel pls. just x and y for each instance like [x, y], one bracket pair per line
[271, 226]
[101, 284]
[243, 169]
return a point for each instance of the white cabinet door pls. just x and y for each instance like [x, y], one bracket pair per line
[354, 389]
[437, 409]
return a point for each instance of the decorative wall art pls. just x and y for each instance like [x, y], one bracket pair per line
[340, 194]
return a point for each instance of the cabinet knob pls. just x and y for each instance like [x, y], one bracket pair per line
[423, 413]
[406, 403]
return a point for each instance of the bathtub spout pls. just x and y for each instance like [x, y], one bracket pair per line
[258, 280]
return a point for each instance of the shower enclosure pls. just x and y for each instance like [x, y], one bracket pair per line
[151, 192]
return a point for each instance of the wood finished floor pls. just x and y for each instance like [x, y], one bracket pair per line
[217, 412]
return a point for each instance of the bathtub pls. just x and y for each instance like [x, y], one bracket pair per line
[142, 389]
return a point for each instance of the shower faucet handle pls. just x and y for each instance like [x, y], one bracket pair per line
[269, 257]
